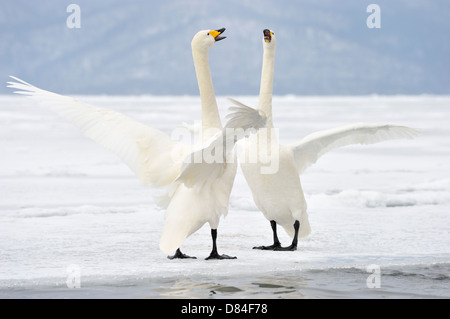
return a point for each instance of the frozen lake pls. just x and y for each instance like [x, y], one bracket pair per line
[70, 209]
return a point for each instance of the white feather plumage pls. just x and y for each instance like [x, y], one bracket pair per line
[312, 147]
[151, 154]
[199, 169]
[279, 196]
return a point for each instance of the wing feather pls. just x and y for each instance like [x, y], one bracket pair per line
[313, 146]
[200, 170]
[151, 154]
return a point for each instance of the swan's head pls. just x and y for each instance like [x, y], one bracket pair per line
[205, 39]
[269, 39]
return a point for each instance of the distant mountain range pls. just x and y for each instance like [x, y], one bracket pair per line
[143, 47]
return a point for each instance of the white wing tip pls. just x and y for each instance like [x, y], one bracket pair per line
[24, 87]
[408, 132]
[18, 80]
[245, 117]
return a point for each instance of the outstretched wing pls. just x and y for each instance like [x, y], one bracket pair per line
[313, 146]
[208, 163]
[151, 154]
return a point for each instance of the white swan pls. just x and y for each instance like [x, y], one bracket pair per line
[279, 195]
[154, 157]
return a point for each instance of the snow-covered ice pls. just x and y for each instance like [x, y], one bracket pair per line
[67, 201]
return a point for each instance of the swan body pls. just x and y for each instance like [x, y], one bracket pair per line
[279, 194]
[156, 159]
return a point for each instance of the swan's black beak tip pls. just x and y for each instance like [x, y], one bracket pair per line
[218, 37]
[267, 35]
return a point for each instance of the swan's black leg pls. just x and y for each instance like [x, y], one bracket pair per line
[276, 242]
[293, 246]
[214, 254]
[180, 255]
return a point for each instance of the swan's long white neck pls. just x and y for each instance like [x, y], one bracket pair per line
[210, 112]
[266, 86]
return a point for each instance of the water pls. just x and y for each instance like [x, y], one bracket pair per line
[417, 281]
[70, 210]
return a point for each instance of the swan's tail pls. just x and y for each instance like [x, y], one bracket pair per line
[172, 237]
[305, 227]
[204, 166]
[183, 217]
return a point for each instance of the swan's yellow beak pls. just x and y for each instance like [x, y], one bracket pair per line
[216, 34]
[267, 35]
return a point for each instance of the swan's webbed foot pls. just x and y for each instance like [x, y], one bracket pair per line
[276, 241]
[293, 246]
[215, 255]
[288, 248]
[275, 246]
[180, 255]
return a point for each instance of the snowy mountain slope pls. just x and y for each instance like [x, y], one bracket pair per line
[143, 47]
